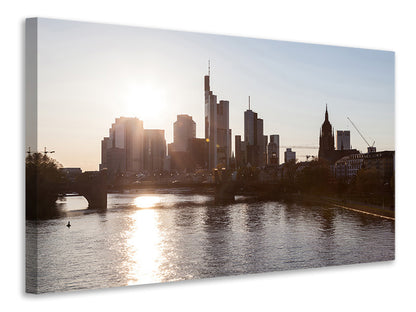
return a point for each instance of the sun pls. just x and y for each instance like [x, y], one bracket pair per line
[144, 101]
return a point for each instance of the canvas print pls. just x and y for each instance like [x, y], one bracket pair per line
[156, 156]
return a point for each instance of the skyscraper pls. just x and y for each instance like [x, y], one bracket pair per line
[217, 130]
[184, 129]
[254, 138]
[273, 150]
[122, 150]
[239, 151]
[154, 150]
[343, 140]
[265, 145]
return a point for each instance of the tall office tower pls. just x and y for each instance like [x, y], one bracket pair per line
[237, 150]
[217, 130]
[273, 150]
[250, 127]
[154, 150]
[343, 140]
[265, 144]
[184, 129]
[289, 155]
[223, 134]
[260, 143]
[253, 138]
[240, 152]
[122, 150]
[326, 139]
[104, 146]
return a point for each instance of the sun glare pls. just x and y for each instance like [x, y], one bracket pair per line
[144, 102]
[146, 201]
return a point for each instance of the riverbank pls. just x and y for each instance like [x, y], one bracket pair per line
[378, 211]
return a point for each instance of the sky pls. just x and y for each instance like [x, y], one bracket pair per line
[89, 74]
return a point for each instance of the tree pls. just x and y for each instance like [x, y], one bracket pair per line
[314, 177]
[43, 183]
[368, 181]
[288, 176]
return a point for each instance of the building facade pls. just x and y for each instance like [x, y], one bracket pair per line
[343, 140]
[240, 152]
[154, 150]
[122, 150]
[273, 147]
[254, 139]
[184, 129]
[290, 155]
[383, 162]
[130, 149]
[254, 149]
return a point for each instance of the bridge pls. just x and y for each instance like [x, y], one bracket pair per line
[93, 186]
[225, 185]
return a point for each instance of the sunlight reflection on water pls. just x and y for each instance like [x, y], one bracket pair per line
[146, 201]
[143, 240]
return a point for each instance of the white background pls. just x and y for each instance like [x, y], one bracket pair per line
[370, 24]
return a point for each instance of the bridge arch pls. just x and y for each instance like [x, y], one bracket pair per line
[93, 187]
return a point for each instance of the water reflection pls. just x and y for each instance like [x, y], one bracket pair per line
[136, 242]
[216, 247]
[143, 241]
[254, 214]
[326, 243]
[146, 201]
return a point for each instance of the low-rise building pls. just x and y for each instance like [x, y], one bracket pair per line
[348, 166]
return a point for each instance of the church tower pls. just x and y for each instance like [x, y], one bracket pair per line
[326, 139]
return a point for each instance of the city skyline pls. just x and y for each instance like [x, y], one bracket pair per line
[114, 71]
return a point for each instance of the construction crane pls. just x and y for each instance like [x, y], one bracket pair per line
[370, 148]
[47, 152]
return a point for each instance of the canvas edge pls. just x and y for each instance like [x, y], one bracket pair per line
[31, 102]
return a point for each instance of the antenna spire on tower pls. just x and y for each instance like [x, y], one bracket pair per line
[326, 111]
[209, 67]
[249, 102]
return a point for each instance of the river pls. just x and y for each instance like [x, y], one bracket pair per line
[170, 235]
